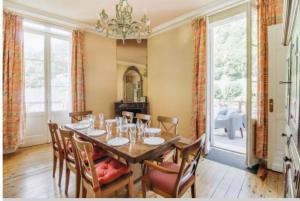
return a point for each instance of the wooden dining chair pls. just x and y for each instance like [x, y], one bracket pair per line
[128, 115]
[169, 125]
[145, 118]
[58, 152]
[72, 160]
[171, 180]
[104, 178]
[78, 116]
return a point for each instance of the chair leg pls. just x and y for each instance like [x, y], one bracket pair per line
[61, 166]
[193, 190]
[67, 180]
[130, 187]
[242, 132]
[144, 188]
[83, 191]
[78, 181]
[54, 165]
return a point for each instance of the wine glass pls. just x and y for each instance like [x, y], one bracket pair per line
[132, 134]
[109, 128]
[101, 120]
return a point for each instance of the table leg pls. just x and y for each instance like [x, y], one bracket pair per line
[133, 190]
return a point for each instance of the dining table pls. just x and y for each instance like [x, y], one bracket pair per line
[133, 152]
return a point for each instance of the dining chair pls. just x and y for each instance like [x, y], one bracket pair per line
[169, 125]
[170, 179]
[58, 152]
[128, 115]
[78, 116]
[103, 178]
[145, 118]
[72, 160]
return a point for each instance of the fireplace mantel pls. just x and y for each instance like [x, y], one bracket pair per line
[135, 107]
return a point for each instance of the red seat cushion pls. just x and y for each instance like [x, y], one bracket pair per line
[164, 181]
[109, 170]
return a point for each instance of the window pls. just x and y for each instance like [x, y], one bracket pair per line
[47, 53]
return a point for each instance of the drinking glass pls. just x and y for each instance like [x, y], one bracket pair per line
[101, 120]
[91, 119]
[109, 128]
[124, 125]
[132, 134]
[142, 130]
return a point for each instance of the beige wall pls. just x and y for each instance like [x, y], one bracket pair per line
[170, 75]
[100, 74]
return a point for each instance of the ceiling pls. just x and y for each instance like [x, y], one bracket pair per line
[86, 11]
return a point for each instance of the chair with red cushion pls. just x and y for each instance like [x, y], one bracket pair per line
[58, 152]
[78, 116]
[104, 178]
[72, 160]
[171, 180]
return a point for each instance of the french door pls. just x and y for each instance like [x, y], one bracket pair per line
[47, 80]
[246, 11]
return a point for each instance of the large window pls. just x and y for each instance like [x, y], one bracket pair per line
[47, 55]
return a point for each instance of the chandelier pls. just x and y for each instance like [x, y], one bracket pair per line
[123, 26]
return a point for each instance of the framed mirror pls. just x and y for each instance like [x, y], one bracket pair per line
[131, 71]
[133, 84]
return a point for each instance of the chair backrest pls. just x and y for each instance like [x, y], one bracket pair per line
[78, 116]
[188, 166]
[69, 148]
[84, 151]
[168, 124]
[128, 115]
[145, 118]
[55, 139]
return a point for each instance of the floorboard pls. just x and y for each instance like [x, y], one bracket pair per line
[28, 174]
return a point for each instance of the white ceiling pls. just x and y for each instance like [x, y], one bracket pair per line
[86, 11]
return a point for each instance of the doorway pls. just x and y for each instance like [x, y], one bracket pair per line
[228, 43]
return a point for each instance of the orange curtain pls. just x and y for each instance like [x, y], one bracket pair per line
[78, 85]
[13, 82]
[199, 80]
[269, 13]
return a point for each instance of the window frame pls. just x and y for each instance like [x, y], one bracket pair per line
[47, 34]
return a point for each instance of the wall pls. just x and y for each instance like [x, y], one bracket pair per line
[100, 74]
[170, 75]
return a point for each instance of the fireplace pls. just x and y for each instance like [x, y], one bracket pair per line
[135, 107]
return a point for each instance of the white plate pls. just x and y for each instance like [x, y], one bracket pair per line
[154, 140]
[78, 126]
[118, 141]
[110, 121]
[129, 125]
[96, 132]
[153, 130]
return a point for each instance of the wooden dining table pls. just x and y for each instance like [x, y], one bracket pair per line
[135, 152]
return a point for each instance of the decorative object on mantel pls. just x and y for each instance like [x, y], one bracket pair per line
[138, 107]
[123, 26]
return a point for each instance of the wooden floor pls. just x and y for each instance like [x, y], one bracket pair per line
[28, 174]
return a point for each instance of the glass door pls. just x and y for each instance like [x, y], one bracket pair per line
[47, 81]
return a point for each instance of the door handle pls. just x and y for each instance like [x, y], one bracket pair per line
[271, 105]
[283, 82]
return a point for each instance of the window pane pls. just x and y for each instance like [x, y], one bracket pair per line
[34, 86]
[33, 46]
[60, 75]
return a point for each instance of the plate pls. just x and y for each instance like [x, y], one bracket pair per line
[129, 125]
[153, 130]
[118, 141]
[154, 140]
[78, 126]
[96, 132]
[110, 121]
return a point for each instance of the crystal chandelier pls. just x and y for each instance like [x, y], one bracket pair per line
[123, 26]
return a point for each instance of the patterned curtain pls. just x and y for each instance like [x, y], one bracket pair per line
[199, 81]
[269, 13]
[78, 88]
[13, 82]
